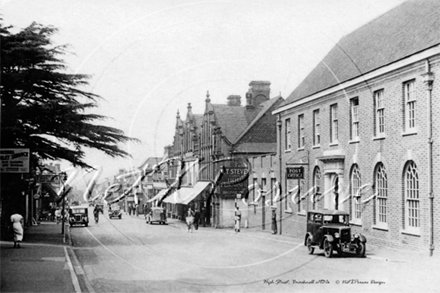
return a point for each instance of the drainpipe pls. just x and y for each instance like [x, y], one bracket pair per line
[279, 124]
[428, 79]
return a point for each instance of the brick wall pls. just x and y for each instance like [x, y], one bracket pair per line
[394, 151]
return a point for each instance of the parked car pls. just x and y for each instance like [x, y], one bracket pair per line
[115, 211]
[156, 214]
[330, 230]
[79, 215]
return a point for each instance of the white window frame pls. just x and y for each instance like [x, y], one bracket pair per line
[316, 128]
[355, 185]
[412, 199]
[334, 124]
[301, 131]
[410, 106]
[379, 108]
[354, 110]
[381, 189]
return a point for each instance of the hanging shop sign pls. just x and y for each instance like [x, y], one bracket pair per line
[14, 160]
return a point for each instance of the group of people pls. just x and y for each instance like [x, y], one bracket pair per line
[192, 219]
[132, 209]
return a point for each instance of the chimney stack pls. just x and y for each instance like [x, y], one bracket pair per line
[234, 100]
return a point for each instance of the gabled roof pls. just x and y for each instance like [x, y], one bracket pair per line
[265, 108]
[151, 161]
[231, 119]
[410, 28]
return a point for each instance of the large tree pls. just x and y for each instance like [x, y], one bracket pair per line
[43, 107]
[46, 109]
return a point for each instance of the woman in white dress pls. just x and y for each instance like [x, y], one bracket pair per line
[17, 225]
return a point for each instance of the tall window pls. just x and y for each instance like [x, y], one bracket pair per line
[316, 133]
[287, 135]
[410, 105]
[334, 123]
[354, 109]
[316, 184]
[301, 139]
[379, 112]
[355, 179]
[412, 199]
[381, 184]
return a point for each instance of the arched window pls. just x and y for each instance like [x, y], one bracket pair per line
[355, 184]
[316, 184]
[412, 198]
[381, 189]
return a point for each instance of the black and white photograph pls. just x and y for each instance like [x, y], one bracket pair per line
[220, 146]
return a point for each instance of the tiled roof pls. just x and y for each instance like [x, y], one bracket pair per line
[260, 134]
[231, 119]
[403, 31]
[151, 161]
[255, 148]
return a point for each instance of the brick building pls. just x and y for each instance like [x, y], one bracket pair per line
[365, 126]
[226, 135]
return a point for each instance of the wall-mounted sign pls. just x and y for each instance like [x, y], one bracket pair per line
[14, 160]
[234, 181]
[48, 178]
[295, 173]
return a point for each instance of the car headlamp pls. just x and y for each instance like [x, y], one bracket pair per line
[336, 235]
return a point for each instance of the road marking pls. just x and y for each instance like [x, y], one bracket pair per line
[189, 264]
[72, 273]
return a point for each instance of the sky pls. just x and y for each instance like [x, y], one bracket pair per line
[149, 58]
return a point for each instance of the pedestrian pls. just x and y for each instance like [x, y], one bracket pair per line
[190, 219]
[196, 219]
[17, 226]
[274, 222]
[130, 206]
[237, 219]
[58, 215]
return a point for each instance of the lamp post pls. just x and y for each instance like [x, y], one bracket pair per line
[279, 124]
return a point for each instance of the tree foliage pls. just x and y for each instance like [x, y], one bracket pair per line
[43, 107]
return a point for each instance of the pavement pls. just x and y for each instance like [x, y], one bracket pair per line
[46, 261]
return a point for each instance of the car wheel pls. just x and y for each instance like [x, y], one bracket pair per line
[309, 245]
[120, 217]
[328, 248]
[86, 224]
[360, 251]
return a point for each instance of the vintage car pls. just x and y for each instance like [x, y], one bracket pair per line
[330, 230]
[156, 214]
[79, 215]
[115, 211]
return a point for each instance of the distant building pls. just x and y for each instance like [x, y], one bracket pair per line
[225, 136]
[365, 126]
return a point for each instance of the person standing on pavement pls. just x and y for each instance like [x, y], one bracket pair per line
[274, 222]
[190, 219]
[17, 226]
[237, 219]
[196, 219]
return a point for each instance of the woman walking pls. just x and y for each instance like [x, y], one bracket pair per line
[17, 226]
[190, 219]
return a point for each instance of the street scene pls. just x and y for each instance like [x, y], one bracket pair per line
[217, 146]
[129, 255]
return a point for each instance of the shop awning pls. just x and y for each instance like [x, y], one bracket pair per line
[158, 195]
[186, 194]
[159, 185]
